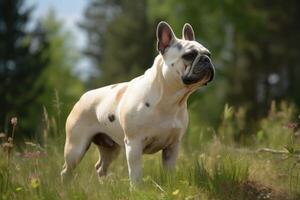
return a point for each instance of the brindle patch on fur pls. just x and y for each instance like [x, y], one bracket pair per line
[120, 93]
[101, 139]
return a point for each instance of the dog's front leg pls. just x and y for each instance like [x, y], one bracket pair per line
[169, 156]
[134, 151]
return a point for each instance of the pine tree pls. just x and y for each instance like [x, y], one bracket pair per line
[62, 87]
[121, 39]
[21, 62]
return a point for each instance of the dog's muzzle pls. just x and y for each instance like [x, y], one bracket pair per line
[201, 69]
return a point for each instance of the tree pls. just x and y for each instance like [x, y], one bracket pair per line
[121, 39]
[255, 53]
[21, 62]
[62, 87]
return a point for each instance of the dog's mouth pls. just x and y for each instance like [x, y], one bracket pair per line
[200, 71]
[195, 75]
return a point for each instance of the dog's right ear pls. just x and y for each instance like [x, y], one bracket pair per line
[165, 36]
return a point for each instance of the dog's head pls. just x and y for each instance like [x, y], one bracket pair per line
[185, 59]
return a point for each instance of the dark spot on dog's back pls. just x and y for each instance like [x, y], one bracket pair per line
[101, 139]
[147, 104]
[111, 117]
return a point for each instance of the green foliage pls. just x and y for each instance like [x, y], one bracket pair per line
[62, 87]
[22, 61]
[294, 177]
[249, 46]
[233, 126]
[206, 104]
[275, 129]
[124, 42]
[216, 172]
[97, 16]
[224, 178]
[41, 76]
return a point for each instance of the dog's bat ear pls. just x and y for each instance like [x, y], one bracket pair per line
[188, 32]
[165, 36]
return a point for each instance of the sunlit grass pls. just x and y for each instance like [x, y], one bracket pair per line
[214, 173]
[208, 168]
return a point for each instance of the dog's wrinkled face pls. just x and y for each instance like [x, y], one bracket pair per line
[185, 59]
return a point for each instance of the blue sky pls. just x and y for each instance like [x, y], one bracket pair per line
[69, 11]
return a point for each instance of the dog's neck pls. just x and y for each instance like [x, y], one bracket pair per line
[172, 93]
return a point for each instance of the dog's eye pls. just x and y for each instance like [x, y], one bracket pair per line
[190, 55]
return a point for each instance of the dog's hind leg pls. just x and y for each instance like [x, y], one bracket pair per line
[108, 151]
[169, 156]
[106, 156]
[75, 149]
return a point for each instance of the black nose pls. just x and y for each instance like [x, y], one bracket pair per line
[204, 59]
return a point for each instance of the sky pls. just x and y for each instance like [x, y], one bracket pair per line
[71, 12]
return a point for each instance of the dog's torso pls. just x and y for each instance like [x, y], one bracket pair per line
[141, 109]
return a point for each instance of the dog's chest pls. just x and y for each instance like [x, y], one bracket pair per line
[152, 144]
[156, 127]
[162, 134]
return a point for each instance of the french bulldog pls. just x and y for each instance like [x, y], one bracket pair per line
[144, 115]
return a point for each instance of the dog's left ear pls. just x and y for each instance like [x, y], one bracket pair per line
[188, 32]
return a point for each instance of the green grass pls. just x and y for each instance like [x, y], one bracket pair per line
[217, 173]
[209, 167]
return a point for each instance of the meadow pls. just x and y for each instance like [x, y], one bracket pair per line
[211, 165]
[239, 144]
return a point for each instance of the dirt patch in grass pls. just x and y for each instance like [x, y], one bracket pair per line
[251, 190]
